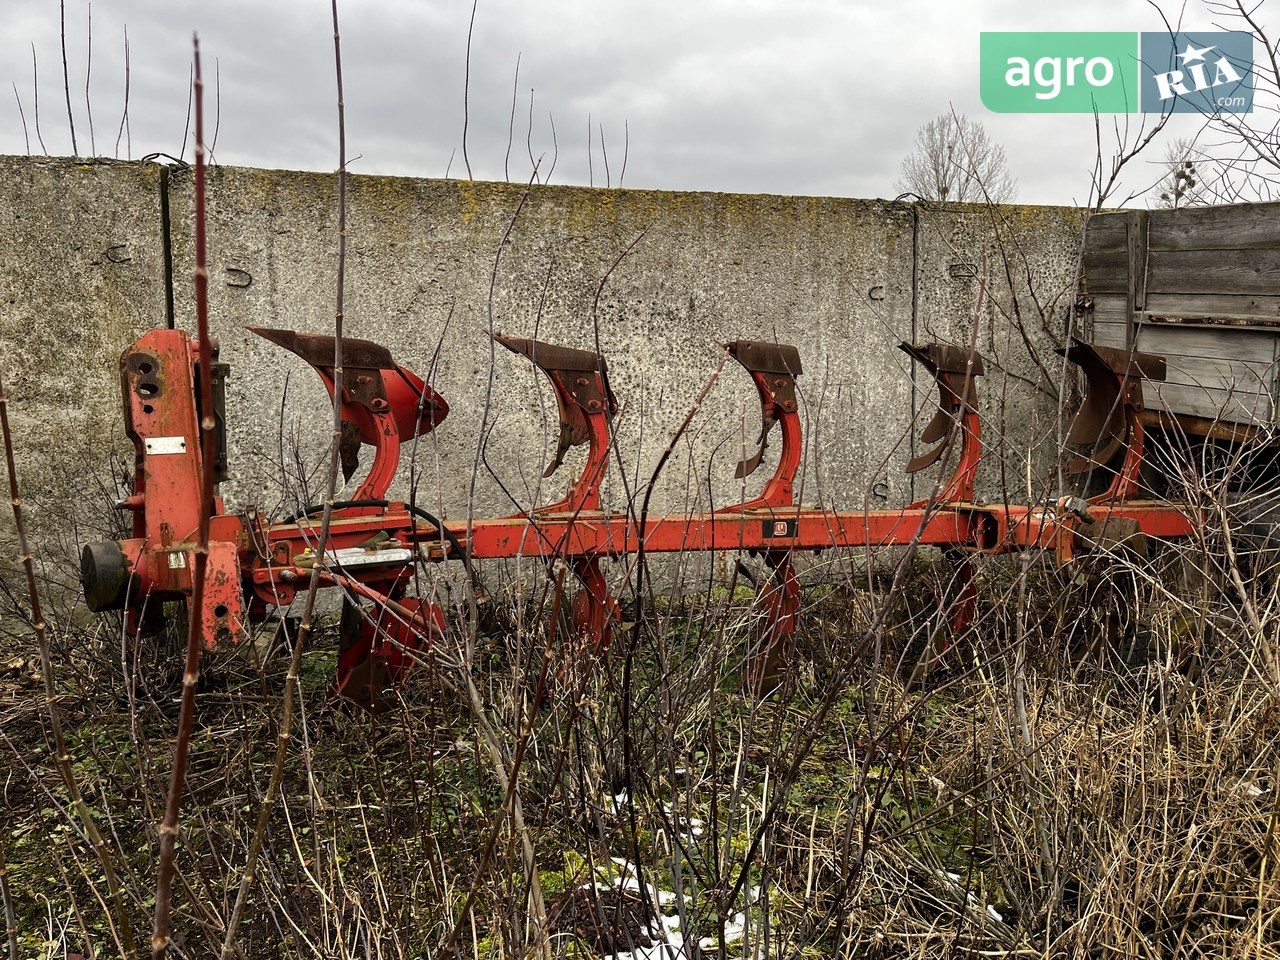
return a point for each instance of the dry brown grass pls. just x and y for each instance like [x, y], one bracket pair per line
[1091, 772]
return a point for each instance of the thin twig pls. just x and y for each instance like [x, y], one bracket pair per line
[35, 81]
[217, 109]
[160, 937]
[10, 917]
[186, 124]
[511, 124]
[466, 90]
[626, 149]
[229, 948]
[66, 76]
[124, 117]
[88, 72]
[25, 136]
[555, 147]
[528, 140]
[604, 151]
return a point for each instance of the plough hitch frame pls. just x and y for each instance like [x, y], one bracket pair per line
[256, 564]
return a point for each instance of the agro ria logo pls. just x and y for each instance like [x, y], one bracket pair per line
[1195, 72]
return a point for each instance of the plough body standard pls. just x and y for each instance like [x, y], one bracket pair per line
[374, 544]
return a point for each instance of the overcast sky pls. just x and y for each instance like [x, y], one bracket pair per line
[815, 97]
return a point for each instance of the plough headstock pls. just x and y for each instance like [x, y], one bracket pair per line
[162, 415]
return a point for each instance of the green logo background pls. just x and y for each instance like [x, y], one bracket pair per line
[1048, 56]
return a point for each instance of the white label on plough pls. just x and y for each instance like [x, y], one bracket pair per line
[360, 557]
[158, 445]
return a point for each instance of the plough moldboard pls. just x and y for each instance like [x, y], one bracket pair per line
[374, 545]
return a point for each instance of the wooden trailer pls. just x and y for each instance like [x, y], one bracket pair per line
[1200, 287]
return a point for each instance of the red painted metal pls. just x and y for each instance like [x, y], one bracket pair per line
[375, 544]
[777, 604]
[377, 647]
[773, 368]
[955, 372]
[159, 380]
[383, 404]
[586, 406]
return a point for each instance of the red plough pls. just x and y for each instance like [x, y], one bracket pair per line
[375, 543]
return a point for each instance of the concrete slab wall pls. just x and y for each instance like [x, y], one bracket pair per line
[81, 275]
[656, 279]
[1010, 272]
[694, 270]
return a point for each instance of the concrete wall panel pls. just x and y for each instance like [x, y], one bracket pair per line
[832, 276]
[81, 275]
[432, 265]
[1009, 273]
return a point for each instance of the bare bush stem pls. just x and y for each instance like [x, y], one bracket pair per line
[124, 116]
[466, 90]
[35, 83]
[88, 73]
[66, 78]
[284, 732]
[10, 918]
[160, 937]
[101, 848]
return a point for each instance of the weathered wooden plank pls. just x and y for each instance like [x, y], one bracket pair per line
[1110, 305]
[1208, 402]
[1108, 333]
[1248, 226]
[1136, 279]
[1199, 287]
[1214, 272]
[1219, 373]
[1106, 231]
[1210, 306]
[1216, 429]
[1171, 341]
[1106, 271]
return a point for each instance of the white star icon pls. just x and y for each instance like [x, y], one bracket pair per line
[1192, 54]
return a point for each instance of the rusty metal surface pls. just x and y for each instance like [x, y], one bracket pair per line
[317, 349]
[945, 357]
[1146, 366]
[764, 357]
[550, 356]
